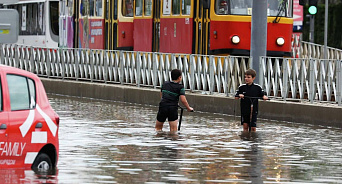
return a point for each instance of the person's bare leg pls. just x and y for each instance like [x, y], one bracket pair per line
[159, 126]
[245, 127]
[173, 125]
[253, 129]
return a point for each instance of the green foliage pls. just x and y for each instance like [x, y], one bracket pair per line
[334, 25]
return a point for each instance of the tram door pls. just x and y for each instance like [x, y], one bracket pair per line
[110, 24]
[143, 24]
[201, 24]
[76, 14]
[119, 24]
[156, 26]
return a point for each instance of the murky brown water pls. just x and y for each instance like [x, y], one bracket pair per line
[110, 142]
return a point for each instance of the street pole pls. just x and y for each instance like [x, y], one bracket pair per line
[312, 28]
[258, 34]
[326, 30]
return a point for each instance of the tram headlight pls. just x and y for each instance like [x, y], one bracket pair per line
[235, 39]
[280, 41]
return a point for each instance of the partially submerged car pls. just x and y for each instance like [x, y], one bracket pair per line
[28, 124]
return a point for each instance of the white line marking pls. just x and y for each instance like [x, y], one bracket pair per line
[52, 126]
[39, 137]
[24, 128]
[30, 156]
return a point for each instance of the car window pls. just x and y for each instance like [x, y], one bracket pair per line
[22, 92]
[32, 90]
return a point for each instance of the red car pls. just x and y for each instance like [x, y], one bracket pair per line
[28, 124]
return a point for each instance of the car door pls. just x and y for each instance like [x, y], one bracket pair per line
[22, 118]
[4, 125]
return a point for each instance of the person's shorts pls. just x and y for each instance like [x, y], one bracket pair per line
[246, 119]
[170, 112]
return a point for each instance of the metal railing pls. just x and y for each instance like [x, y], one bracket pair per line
[284, 78]
[312, 50]
[310, 79]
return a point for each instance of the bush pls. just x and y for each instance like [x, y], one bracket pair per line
[334, 25]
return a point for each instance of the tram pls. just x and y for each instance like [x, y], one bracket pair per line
[217, 27]
[38, 22]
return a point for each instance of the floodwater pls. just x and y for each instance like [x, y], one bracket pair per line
[112, 142]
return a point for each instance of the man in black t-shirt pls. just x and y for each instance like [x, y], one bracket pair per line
[170, 93]
[249, 93]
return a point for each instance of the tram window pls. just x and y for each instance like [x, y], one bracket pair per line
[186, 7]
[54, 18]
[107, 10]
[148, 7]
[91, 8]
[98, 8]
[127, 8]
[84, 7]
[40, 20]
[221, 7]
[30, 23]
[176, 7]
[138, 7]
[279, 8]
[33, 18]
[241, 7]
[70, 7]
[62, 9]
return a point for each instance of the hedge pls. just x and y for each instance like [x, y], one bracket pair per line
[334, 25]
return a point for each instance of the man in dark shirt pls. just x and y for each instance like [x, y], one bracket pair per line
[170, 93]
[249, 94]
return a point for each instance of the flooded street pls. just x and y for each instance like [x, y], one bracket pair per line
[112, 142]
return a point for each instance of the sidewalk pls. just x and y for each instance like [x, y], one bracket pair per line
[299, 112]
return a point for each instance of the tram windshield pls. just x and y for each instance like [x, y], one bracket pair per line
[275, 8]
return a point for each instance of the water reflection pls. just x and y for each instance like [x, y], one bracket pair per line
[109, 142]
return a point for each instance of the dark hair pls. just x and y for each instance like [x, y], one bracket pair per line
[251, 72]
[175, 73]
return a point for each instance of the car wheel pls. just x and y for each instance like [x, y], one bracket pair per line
[42, 163]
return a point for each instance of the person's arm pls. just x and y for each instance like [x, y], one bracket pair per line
[185, 103]
[238, 94]
[263, 95]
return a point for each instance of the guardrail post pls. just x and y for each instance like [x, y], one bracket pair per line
[121, 66]
[261, 71]
[106, 61]
[32, 68]
[16, 57]
[285, 80]
[91, 61]
[211, 74]
[138, 78]
[312, 81]
[77, 63]
[48, 63]
[192, 73]
[173, 62]
[1, 54]
[339, 81]
[154, 65]
[62, 53]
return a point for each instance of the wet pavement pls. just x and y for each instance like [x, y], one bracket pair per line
[113, 142]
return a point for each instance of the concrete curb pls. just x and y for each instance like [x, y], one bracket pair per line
[318, 114]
